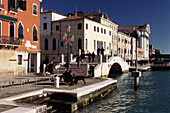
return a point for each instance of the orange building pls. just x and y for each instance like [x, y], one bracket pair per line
[19, 36]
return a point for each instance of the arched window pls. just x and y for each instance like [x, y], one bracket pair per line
[54, 44]
[20, 31]
[46, 44]
[35, 34]
[11, 31]
[79, 26]
[94, 45]
[86, 44]
[79, 43]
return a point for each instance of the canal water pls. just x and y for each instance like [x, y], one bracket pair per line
[153, 95]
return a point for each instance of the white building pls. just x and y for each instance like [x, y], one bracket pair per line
[143, 41]
[46, 18]
[89, 34]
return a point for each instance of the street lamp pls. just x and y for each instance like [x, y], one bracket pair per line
[68, 38]
[136, 34]
[136, 74]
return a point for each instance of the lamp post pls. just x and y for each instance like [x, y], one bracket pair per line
[68, 38]
[136, 74]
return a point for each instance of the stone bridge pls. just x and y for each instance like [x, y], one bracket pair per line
[112, 65]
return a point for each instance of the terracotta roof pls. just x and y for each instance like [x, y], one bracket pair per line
[75, 17]
[132, 27]
[50, 11]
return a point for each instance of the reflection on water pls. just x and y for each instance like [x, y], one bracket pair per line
[153, 95]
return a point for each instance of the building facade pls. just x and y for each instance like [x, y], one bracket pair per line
[124, 46]
[49, 43]
[143, 42]
[19, 36]
[88, 30]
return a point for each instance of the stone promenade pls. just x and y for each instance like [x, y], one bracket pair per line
[11, 86]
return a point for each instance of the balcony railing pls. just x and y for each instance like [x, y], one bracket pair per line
[13, 10]
[13, 41]
[1, 6]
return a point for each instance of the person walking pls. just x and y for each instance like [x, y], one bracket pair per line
[93, 56]
[89, 57]
[102, 51]
[51, 67]
[98, 51]
[82, 54]
[78, 61]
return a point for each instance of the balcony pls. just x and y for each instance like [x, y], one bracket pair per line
[13, 10]
[11, 42]
[1, 7]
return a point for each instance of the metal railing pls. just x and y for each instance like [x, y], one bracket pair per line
[10, 40]
[13, 9]
[1, 6]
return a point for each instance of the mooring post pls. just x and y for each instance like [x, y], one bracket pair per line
[136, 75]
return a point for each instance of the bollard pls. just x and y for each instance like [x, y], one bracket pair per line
[44, 69]
[56, 81]
[62, 58]
[71, 57]
[112, 53]
[136, 75]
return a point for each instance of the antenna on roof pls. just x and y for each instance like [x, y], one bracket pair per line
[75, 11]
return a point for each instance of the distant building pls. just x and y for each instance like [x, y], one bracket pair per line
[124, 46]
[19, 36]
[144, 38]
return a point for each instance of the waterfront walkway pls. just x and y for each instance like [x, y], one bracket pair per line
[39, 83]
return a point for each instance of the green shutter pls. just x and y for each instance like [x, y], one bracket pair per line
[7, 18]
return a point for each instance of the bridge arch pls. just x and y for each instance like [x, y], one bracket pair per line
[116, 69]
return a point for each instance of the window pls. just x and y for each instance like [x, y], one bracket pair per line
[22, 4]
[34, 9]
[104, 31]
[11, 31]
[79, 26]
[86, 44]
[54, 44]
[110, 33]
[57, 28]
[97, 29]
[46, 44]
[19, 59]
[105, 46]
[12, 4]
[45, 26]
[101, 30]
[109, 46]
[20, 31]
[94, 28]
[86, 26]
[61, 43]
[35, 34]
[94, 45]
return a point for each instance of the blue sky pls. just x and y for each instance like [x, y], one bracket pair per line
[125, 13]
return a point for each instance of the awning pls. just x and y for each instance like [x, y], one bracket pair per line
[7, 18]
